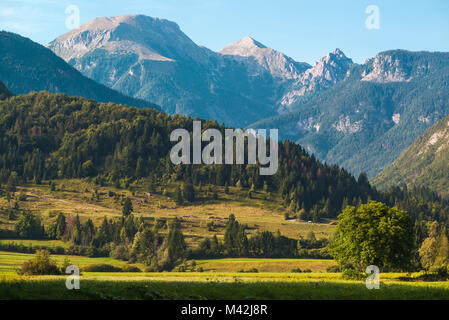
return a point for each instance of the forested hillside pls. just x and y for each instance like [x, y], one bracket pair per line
[424, 163]
[49, 136]
[4, 92]
[27, 66]
[53, 137]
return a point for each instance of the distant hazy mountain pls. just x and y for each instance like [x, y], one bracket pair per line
[365, 121]
[153, 59]
[358, 116]
[276, 63]
[27, 66]
[424, 163]
[324, 74]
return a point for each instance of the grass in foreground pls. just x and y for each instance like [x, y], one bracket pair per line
[214, 288]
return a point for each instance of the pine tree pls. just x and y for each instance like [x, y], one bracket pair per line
[12, 182]
[60, 226]
[188, 191]
[140, 169]
[76, 234]
[127, 207]
[176, 245]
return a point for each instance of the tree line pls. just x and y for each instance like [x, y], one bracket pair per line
[48, 136]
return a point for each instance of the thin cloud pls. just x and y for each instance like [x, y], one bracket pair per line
[25, 19]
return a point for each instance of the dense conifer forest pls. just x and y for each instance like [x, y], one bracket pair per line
[53, 136]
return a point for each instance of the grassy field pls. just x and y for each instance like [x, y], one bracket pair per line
[10, 261]
[40, 243]
[76, 196]
[220, 280]
[264, 265]
[214, 286]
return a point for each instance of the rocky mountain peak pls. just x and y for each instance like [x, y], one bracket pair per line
[335, 58]
[150, 38]
[402, 65]
[242, 47]
[326, 72]
[385, 67]
[331, 68]
[267, 59]
[338, 52]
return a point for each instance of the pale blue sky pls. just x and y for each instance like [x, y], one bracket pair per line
[304, 30]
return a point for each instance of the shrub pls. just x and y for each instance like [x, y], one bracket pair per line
[102, 267]
[121, 252]
[22, 196]
[440, 273]
[40, 265]
[333, 269]
[128, 268]
[252, 270]
[352, 274]
[296, 270]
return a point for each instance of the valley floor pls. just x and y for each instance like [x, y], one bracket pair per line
[214, 286]
[230, 278]
[11, 261]
[221, 279]
[203, 218]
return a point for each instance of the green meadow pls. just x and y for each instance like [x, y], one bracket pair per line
[226, 278]
[220, 280]
[214, 286]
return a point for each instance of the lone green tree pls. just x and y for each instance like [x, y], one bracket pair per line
[374, 234]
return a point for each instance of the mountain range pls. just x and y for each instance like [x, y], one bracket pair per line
[360, 116]
[152, 59]
[27, 66]
[364, 122]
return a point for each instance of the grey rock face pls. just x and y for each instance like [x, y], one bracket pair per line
[153, 59]
[366, 120]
